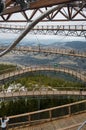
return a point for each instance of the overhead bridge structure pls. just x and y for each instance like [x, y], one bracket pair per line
[71, 10]
[67, 8]
[63, 30]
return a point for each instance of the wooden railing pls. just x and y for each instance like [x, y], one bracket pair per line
[46, 27]
[70, 52]
[50, 114]
[10, 94]
[72, 72]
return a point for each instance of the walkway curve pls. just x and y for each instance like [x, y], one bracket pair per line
[29, 27]
[48, 51]
[44, 68]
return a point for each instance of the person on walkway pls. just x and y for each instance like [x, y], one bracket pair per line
[4, 121]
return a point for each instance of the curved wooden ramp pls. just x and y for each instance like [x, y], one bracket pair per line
[67, 123]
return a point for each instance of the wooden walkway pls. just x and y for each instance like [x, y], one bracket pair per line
[67, 123]
[37, 92]
[69, 52]
[11, 95]
[72, 72]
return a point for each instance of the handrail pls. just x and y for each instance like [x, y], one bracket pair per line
[11, 94]
[45, 27]
[50, 109]
[70, 52]
[40, 68]
[38, 116]
[40, 89]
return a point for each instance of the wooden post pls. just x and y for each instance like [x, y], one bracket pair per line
[29, 119]
[69, 110]
[50, 114]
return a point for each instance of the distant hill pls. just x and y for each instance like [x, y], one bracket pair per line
[79, 45]
[53, 43]
[76, 45]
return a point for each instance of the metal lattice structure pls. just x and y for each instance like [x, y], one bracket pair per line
[63, 30]
[72, 10]
[69, 9]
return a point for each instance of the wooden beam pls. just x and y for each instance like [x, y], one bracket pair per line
[8, 2]
[45, 3]
[34, 5]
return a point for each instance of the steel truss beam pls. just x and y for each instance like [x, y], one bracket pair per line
[71, 11]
